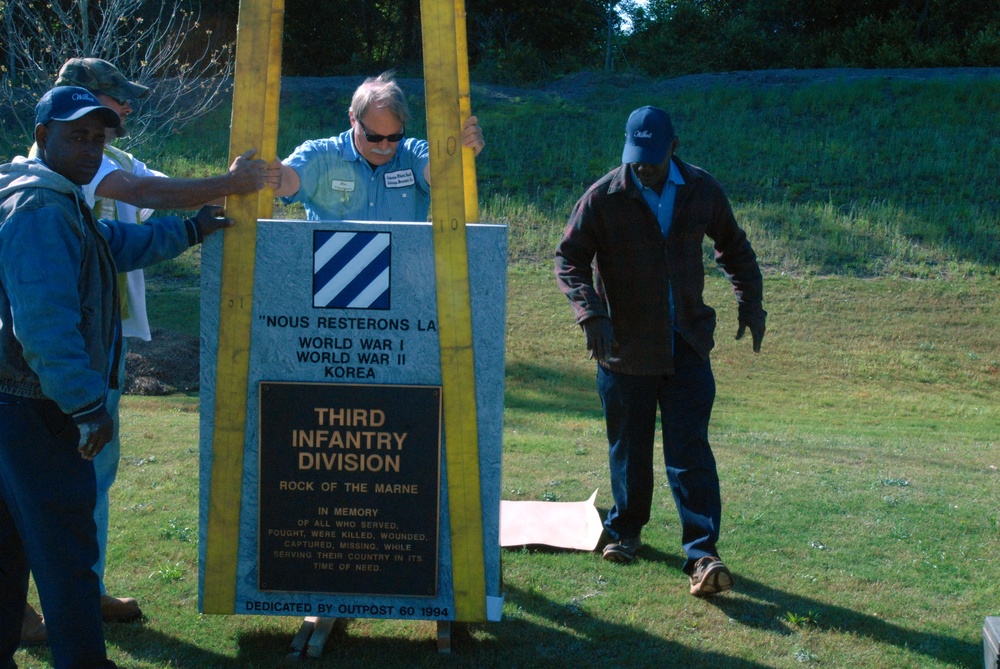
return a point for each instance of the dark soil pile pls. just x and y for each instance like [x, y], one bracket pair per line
[166, 365]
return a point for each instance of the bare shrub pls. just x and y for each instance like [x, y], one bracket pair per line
[159, 45]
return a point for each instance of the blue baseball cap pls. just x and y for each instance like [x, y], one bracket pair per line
[68, 103]
[648, 136]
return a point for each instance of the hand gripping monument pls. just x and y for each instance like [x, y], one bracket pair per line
[352, 381]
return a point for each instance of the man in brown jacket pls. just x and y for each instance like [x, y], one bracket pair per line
[641, 308]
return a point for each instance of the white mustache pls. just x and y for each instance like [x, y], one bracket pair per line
[382, 152]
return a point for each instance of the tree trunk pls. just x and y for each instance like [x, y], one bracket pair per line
[609, 65]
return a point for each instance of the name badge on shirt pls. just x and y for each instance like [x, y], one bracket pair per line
[338, 184]
[400, 179]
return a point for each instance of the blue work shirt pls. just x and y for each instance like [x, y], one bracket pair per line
[336, 183]
[662, 205]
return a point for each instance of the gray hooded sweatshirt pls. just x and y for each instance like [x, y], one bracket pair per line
[59, 319]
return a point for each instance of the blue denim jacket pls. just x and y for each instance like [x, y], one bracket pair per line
[59, 317]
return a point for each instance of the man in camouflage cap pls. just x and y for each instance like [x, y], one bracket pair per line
[98, 75]
[101, 77]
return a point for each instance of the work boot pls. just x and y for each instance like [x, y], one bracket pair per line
[115, 610]
[33, 632]
[710, 577]
[622, 551]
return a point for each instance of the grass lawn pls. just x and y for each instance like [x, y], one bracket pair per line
[859, 464]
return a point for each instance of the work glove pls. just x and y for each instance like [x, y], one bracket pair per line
[757, 329]
[96, 430]
[210, 218]
[600, 337]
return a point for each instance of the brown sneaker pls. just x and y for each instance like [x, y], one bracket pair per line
[710, 577]
[622, 550]
[33, 632]
[115, 610]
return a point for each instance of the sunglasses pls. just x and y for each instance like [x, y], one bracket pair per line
[121, 103]
[375, 139]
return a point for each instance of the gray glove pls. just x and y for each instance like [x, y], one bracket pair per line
[600, 337]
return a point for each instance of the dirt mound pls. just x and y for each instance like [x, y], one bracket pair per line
[168, 364]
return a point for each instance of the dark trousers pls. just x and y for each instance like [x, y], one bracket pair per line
[685, 402]
[47, 496]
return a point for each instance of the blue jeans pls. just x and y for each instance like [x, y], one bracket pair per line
[685, 401]
[47, 494]
[106, 471]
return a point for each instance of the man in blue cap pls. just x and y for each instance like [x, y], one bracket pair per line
[630, 262]
[126, 189]
[60, 345]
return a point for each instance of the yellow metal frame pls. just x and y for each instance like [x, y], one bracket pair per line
[446, 82]
[254, 124]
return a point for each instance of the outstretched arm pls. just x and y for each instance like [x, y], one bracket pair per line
[245, 175]
[288, 182]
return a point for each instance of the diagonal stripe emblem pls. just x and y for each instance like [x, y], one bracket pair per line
[351, 270]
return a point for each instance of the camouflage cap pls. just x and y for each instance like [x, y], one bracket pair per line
[99, 76]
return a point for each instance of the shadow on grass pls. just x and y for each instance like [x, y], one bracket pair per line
[538, 632]
[265, 648]
[257, 649]
[759, 604]
[542, 633]
[547, 388]
[574, 638]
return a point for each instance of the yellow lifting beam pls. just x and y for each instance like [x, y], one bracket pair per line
[254, 124]
[453, 198]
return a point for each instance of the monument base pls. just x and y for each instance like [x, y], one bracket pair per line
[991, 643]
[314, 633]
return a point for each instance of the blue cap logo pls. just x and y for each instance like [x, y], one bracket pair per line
[648, 136]
[68, 103]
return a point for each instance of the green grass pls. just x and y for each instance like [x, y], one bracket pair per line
[861, 178]
[859, 463]
[858, 451]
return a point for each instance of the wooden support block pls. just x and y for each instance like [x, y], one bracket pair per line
[305, 631]
[311, 638]
[319, 636]
[444, 636]
[298, 645]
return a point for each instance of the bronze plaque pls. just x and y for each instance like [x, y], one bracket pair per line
[349, 488]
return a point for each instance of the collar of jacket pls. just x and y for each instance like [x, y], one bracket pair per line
[621, 179]
[24, 173]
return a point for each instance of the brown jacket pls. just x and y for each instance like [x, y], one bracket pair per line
[634, 267]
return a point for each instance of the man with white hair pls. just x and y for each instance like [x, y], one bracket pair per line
[372, 171]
